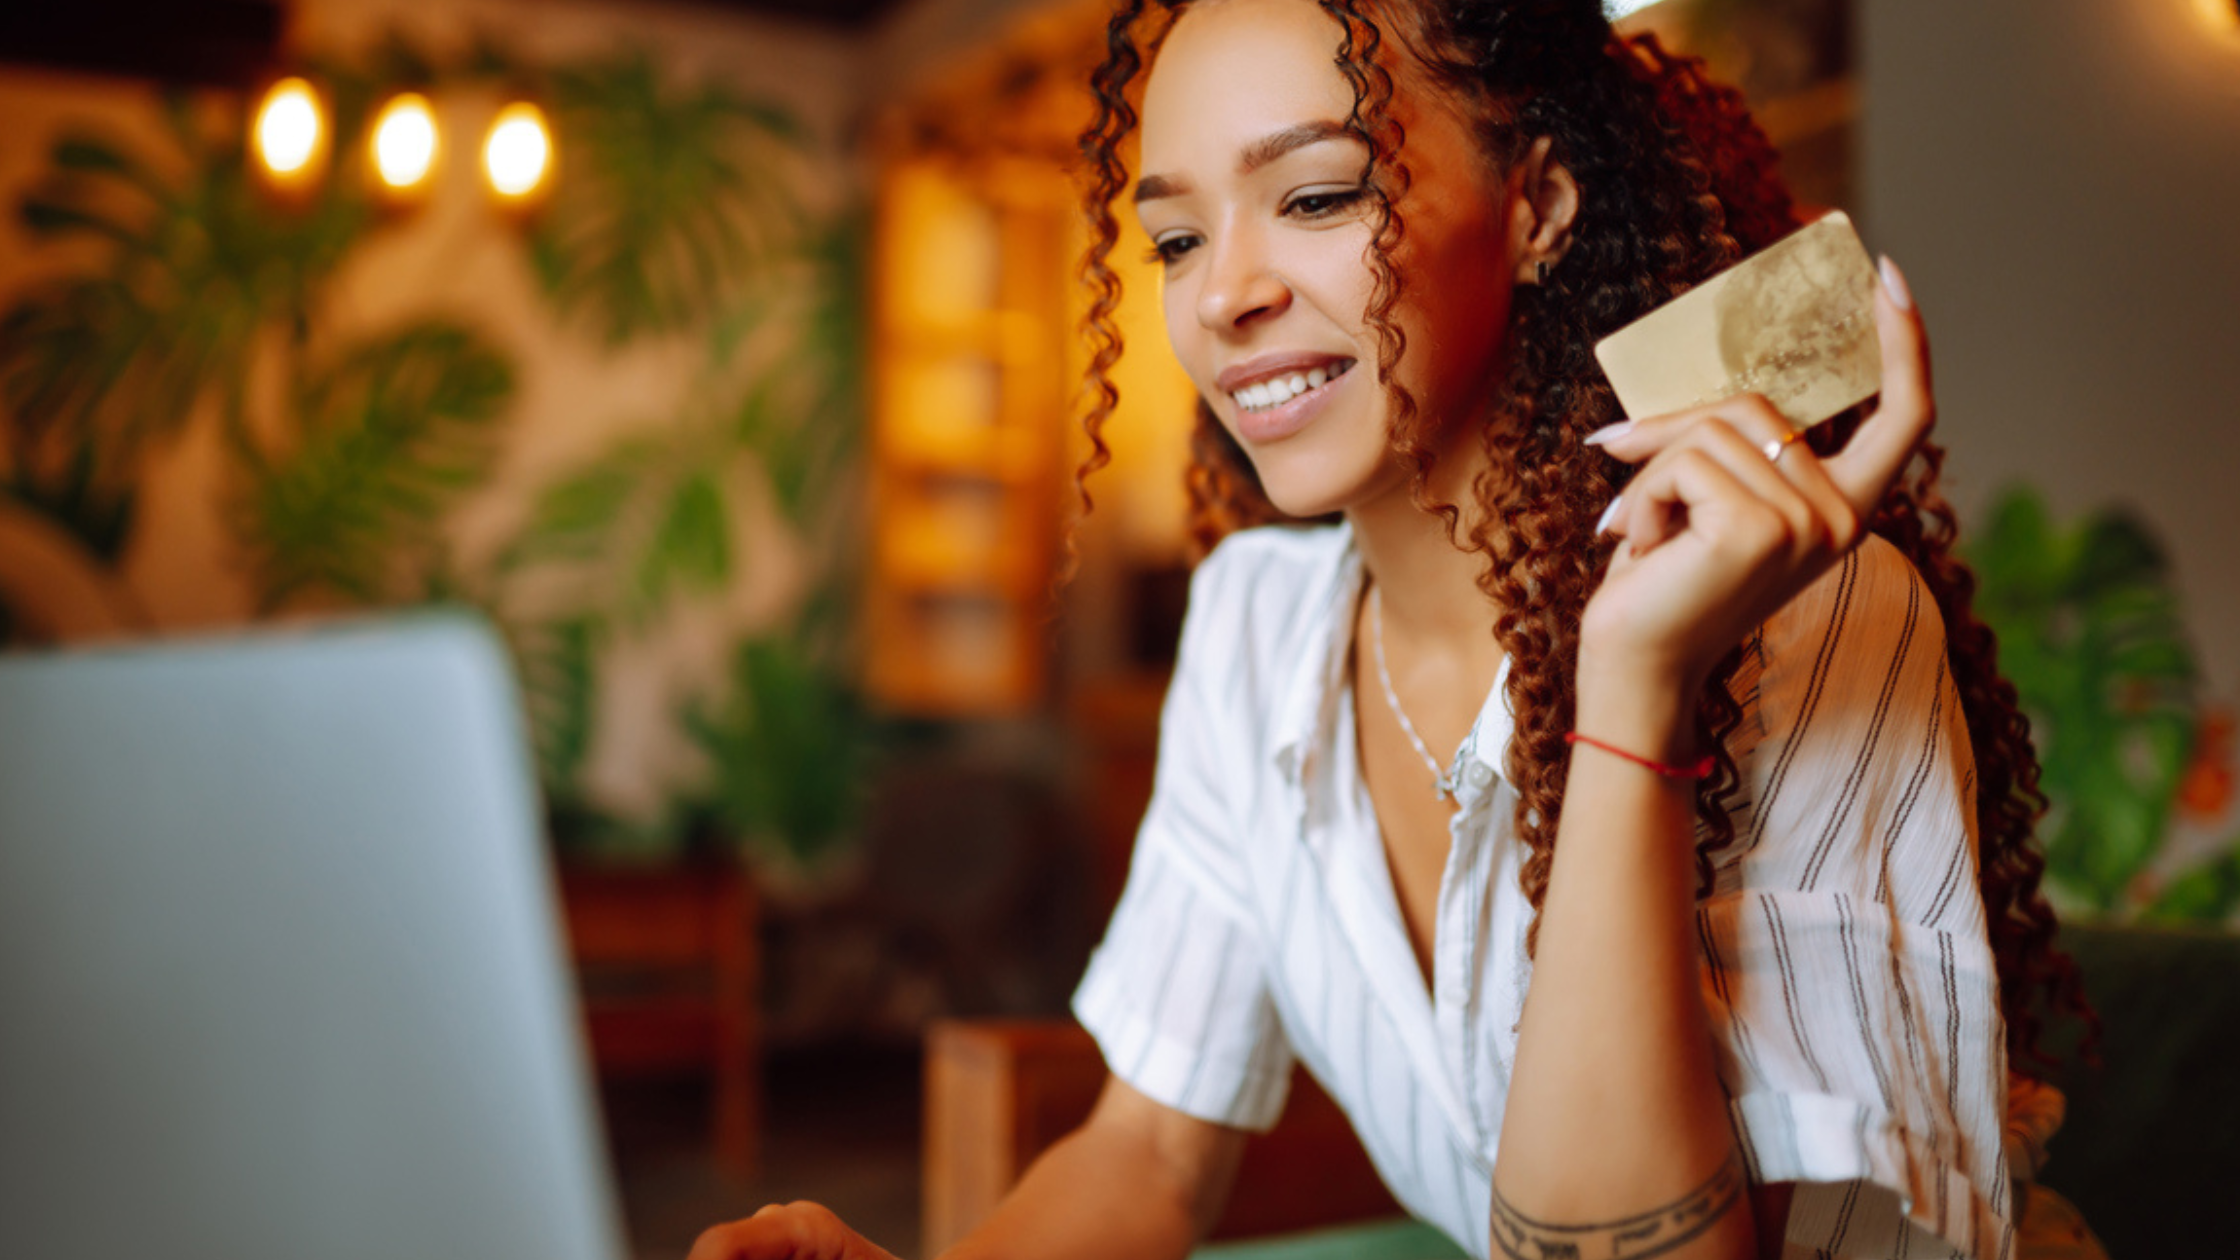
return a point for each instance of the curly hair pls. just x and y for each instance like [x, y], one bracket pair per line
[1676, 183]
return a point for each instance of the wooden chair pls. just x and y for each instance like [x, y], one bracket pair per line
[999, 1091]
[670, 965]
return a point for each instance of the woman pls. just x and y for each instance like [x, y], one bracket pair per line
[1637, 718]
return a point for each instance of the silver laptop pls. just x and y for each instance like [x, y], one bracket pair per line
[280, 977]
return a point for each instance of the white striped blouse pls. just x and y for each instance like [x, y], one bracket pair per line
[1845, 963]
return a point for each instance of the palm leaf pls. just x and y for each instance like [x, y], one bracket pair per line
[2091, 634]
[2209, 892]
[558, 665]
[690, 549]
[578, 517]
[392, 433]
[644, 523]
[667, 202]
[196, 264]
[788, 749]
[98, 515]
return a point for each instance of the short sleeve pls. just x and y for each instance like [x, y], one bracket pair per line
[1177, 995]
[1847, 969]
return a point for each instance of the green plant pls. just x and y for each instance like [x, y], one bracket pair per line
[387, 436]
[650, 522]
[557, 661]
[787, 752]
[681, 215]
[201, 275]
[672, 200]
[195, 264]
[677, 214]
[2209, 892]
[2089, 632]
[644, 522]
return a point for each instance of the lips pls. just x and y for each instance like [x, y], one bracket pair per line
[1268, 367]
[1277, 396]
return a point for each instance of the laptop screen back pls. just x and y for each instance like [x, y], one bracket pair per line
[279, 970]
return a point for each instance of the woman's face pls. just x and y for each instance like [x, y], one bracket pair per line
[1251, 194]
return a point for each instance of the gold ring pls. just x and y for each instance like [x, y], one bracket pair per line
[1774, 446]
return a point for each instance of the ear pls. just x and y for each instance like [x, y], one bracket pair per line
[1543, 202]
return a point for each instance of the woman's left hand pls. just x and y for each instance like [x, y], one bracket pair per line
[1715, 537]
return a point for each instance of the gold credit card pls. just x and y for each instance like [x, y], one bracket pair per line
[1795, 322]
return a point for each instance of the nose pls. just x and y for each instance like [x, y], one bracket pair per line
[1241, 285]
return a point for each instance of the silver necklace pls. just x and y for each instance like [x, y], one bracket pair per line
[1444, 784]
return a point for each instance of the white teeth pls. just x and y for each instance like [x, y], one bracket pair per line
[1283, 389]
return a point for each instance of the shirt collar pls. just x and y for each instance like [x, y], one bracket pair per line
[1306, 712]
[1496, 726]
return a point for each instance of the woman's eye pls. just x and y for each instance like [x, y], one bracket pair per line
[1323, 203]
[1170, 249]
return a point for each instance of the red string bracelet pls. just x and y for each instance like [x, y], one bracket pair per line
[1696, 771]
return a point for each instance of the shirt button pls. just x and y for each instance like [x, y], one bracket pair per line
[1480, 774]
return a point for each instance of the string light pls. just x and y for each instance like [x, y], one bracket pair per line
[2222, 15]
[290, 129]
[518, 154]
[404, 142]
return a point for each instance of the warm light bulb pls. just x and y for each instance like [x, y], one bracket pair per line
[519, 151]
[288, 127]
[404, 141]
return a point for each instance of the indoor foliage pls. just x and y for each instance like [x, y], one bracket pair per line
[677, 214]
[2090, 633]
[202, 278]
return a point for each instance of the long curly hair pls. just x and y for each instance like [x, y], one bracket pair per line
[1676, 182]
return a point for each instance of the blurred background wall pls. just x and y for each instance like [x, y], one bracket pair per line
[764, 612]
[576, 393]
[754, 431]
[2061, 180]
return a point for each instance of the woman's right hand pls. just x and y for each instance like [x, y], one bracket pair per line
[793, 1231]
[1725, 523]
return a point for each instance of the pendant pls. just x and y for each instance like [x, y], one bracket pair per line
[1448, 786]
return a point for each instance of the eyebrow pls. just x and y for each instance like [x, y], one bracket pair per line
[1255, 155]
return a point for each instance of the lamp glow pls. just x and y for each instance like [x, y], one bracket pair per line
[404, 141]
[289, 128]
[518, 154]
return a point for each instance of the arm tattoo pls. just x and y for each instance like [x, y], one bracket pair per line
[1651, 1233]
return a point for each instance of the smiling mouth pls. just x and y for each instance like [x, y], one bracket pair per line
[1278, 390]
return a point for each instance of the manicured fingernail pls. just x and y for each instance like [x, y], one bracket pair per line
[1609, 514]
[1608, 433]
[1895, 281]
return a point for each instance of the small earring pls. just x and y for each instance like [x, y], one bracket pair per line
[1540, 271]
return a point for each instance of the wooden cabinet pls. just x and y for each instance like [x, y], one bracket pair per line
[968, 412]
[669, 959]
[978, 360]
